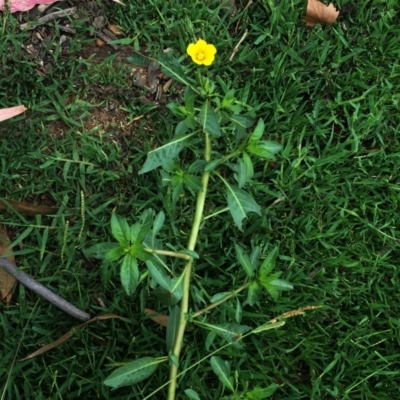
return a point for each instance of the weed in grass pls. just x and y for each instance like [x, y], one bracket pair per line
[329, 95]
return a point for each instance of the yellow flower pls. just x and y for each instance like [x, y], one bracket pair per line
[201, 52]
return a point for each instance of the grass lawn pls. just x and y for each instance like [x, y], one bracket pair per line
[330, 201]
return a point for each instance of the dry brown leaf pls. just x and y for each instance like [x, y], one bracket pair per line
[68, 335]
[319, 13]
[7, 281]
[26, 208]
[115, 29]
[157, 317]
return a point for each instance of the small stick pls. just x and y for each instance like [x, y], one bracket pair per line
[235, 50]
[41, 290]
[49, 17]
[247, 6]
[106, 39]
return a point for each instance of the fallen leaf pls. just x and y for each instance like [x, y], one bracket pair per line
[157, 317]
[319, 13]
[27, 208]
[7, 281]
[100, 43]
[68, 335]
[23, 5]
[6, 113]
[115, 29]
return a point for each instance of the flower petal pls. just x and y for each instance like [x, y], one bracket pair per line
[191, 50]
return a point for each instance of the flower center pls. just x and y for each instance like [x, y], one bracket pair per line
[200, 56]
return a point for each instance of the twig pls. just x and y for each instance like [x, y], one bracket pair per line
[247, 6]
[235, 50]
[41, 290]
[106, 39]
[49, 17]
[66, 29]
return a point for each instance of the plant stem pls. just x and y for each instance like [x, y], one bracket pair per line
[169, 253]
[201, 198]
[216, 304]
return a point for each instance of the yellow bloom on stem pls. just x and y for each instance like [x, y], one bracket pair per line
[201, 52]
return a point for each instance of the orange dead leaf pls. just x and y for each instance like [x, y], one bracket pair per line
[68, 335]
[7, 281]
[115, 29]
[319, 13]
[157, 317]
[26, 208]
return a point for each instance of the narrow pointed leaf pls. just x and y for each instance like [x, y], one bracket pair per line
[120, 229]
[222, 370]
[240, 203]
[258, 132]
[231, 332]
[129, 274]
[133, 372]
[244, 260]
[171, 67]
[209, 120]
[172, 327]
[164, 154]
[158, 273]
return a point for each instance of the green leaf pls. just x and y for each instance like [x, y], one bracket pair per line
[172, 327]
[129, 274]
[193, 182]
[261, 393]
[120, 229]
[189, 98]
[159, 275]
[158, 223]
[212, 165]
[231, 332]
[146, 220]
[138, 59]
[165, 297]
[242, 174]
[114, 254]
[258, 150]
[249, 165]
[269, 263]
[252, 294]
[244, 260]
[177, 187]
[281, 284]
[258, 132]
[165, 153]
[254, 257]
[133, 372]
[170, 66]
[222, 370]
[100, 250]
[268, 326]
[177, 287]
[134, 231]
[192, 394]
[240, 203]
[219, 296]
[209, 120]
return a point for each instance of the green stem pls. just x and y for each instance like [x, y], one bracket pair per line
[201, 198]
[169, 253]
[217, 212]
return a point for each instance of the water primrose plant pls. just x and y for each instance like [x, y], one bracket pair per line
[212, 152]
